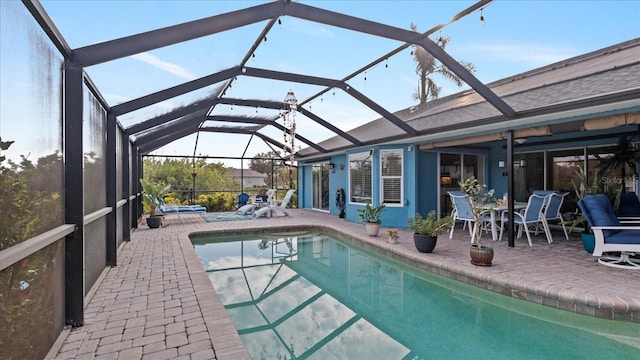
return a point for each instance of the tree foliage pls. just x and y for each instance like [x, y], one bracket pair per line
[178, 173]
[30, 196]
[427, 66]
[264, 163]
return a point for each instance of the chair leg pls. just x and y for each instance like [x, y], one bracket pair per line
[526, 230]
[566, 236]
[473, 236]
[621, 262]
[547, 231]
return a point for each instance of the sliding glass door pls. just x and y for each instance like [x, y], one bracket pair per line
[454, 169]
[320, 186]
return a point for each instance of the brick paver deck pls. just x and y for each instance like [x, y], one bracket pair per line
[158, 302]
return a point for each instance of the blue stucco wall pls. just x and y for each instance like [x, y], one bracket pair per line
[421, 180]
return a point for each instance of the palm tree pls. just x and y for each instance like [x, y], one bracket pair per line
[426, 65]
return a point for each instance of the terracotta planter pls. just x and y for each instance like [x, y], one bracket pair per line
[481, 256]
[425, 243]
[372, 228]
[154, 222]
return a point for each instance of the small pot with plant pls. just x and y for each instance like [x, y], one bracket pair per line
[392, 236]
[371, 216]
[153, 196]
[426, 230]
[479, 197]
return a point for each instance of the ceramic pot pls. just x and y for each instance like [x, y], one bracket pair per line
[372, 228]
[481, 256]
[425, 243]
[588, 242]
[154, 222]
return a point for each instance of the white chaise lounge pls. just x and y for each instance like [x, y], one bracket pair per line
[270, 210]
[250, 208]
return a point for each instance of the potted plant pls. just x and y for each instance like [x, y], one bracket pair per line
[371, 217]
[152, 198]
[479, 197]
[392, 236]
[426, 230]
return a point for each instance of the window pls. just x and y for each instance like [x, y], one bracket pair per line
[391, 177]
[360, 175]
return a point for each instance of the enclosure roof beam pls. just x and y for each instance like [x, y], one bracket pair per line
[250, 120]
[280, 105]
[174, 91]
[176, 114]
[155, 39]
[156, 143]
[241, 131]
[314, 80]
[322, 16]
[191, 121]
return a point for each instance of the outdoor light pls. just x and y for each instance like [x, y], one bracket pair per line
[523, 163]
[501, 163]
[332, 166]
[520, 141]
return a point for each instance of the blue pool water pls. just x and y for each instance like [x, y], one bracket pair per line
[311, 296]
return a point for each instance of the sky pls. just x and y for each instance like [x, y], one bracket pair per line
[516, 36]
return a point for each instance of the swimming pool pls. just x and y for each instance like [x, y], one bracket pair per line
[312, 296]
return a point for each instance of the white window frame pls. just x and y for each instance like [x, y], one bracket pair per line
[361, 156]
[383, 155]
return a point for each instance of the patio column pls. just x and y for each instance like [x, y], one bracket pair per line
[127, 220]
[112, 197]
[510, 187]
[74, 194]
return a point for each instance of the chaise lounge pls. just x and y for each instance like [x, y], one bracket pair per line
[610, 234]
[269, 210]
[251, 207]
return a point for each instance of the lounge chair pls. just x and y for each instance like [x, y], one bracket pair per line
[610, 234]
[179, 209]
[629, 205]
[269, 210]
[251, 207]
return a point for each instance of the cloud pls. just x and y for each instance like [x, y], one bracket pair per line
[530, 54]
[311, 29]
[165, 66]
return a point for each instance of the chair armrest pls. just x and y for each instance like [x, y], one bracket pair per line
[629, 220]
[615, 227]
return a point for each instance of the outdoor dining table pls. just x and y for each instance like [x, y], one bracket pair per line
[497, 208]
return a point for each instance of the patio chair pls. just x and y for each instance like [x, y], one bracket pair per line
[462, 211]
[629, 205]
[610, 234]
[243, 199]
[552, 211]
[269, 210]
[251, 207]
[532, 216]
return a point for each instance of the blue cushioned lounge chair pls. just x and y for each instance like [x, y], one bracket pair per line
[629, 205]
[610, 234]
